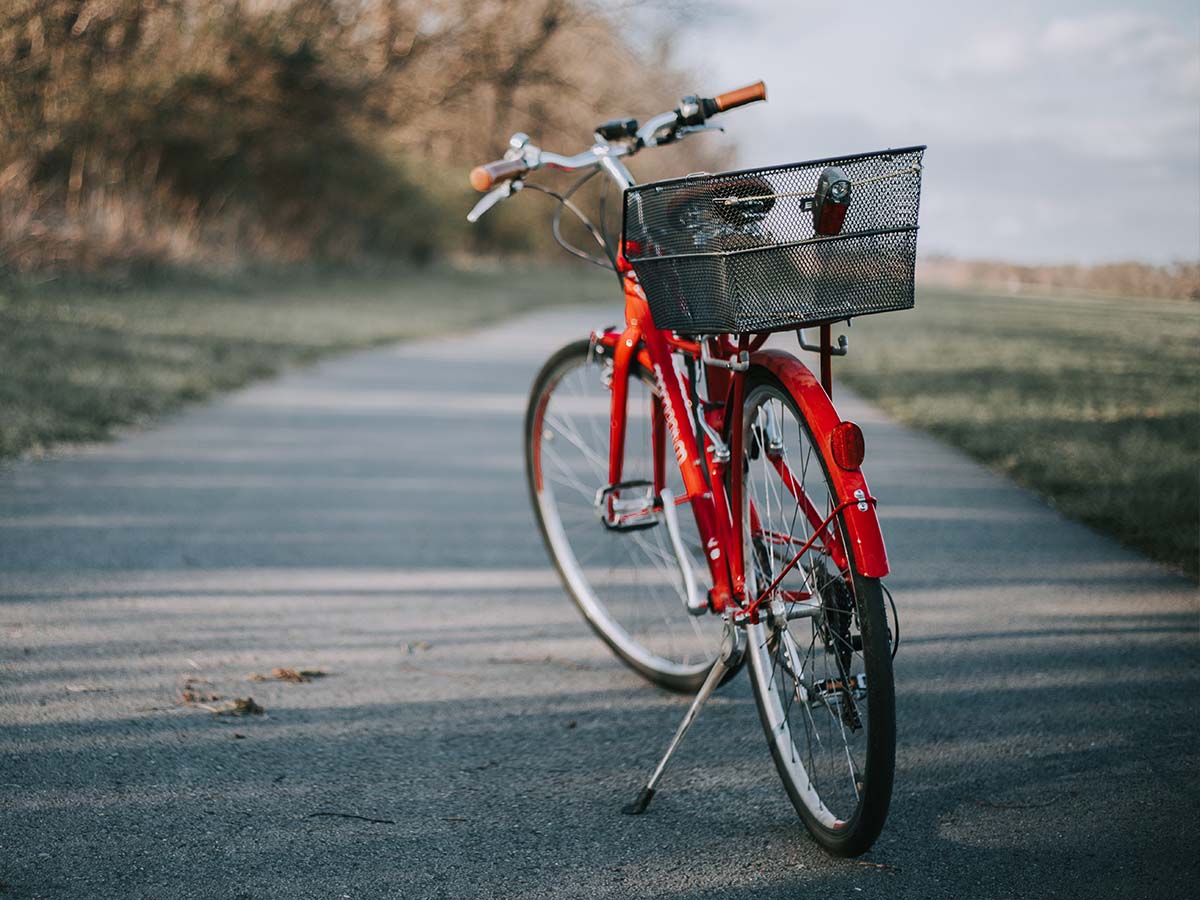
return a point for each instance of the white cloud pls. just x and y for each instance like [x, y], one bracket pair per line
[1121, 40]
[1185, 75]
[1086, 100]
[993, 53]
[1097, 32]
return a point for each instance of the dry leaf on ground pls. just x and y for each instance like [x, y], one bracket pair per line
[882, 867]
[193, 693]
[240, 706]
[295, 676]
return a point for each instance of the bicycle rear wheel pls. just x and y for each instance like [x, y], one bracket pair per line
[822, 673]
[626, 583]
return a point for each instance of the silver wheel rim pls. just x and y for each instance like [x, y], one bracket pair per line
[818, 752]
[626, 584]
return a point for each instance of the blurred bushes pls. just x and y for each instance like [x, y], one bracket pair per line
[1124, 279]
[141, 133]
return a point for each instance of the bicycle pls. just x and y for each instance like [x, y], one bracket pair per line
[780, 563]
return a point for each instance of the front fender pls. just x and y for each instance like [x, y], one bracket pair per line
[862, 526]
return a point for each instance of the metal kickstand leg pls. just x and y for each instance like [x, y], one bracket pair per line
[732, 646]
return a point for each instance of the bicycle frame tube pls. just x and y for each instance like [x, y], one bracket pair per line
[829, 537]
[659, 444]
[718, 516]
[626, 347]
[673, 432]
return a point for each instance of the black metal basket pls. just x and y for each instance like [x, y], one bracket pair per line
[738, 252]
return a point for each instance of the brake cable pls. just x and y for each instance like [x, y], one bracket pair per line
[564, 202]
[603, 215]
[895, 620]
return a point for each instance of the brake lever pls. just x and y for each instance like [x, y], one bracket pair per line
[692, 129]
[670, 136]
[491, 198]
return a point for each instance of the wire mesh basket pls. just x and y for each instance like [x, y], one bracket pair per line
[740, 252]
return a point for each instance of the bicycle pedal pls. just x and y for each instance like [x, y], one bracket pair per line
[627, 513]
[831, 691]
[858, 684]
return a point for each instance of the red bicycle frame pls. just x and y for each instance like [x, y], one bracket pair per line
[718, 512]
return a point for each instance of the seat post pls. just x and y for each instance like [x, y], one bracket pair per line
[827, 358]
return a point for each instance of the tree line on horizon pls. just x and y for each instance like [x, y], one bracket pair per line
[1180, 280]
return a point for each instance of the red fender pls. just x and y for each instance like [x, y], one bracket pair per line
[862, 526]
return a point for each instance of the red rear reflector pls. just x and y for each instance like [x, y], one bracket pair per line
[846, 443]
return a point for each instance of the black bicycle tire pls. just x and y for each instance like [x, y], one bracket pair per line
[860, 831]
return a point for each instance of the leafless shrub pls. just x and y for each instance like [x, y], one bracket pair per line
[193, 132]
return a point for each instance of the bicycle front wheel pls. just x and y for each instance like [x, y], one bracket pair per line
[626, 583]
[821, 665]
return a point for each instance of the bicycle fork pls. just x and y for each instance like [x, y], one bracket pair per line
[733, 645]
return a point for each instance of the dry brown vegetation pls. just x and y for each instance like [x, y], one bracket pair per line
[194, 132]
[1126, 279]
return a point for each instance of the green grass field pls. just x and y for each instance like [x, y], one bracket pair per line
[77, 362]
[1093, 403]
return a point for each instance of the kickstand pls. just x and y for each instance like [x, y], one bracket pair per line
[732, 647]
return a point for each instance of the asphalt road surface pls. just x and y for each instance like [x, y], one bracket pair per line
[368, 517]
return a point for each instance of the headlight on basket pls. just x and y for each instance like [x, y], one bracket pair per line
[831, 201]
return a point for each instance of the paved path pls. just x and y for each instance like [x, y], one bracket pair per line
[368, 517]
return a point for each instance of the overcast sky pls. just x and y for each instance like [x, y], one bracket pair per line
[1057, 131]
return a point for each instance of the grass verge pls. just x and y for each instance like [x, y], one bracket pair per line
[1093, 403]
[75, 362]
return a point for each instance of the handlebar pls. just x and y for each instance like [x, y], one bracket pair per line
[751, 93]
[614, 139]
[487, 176]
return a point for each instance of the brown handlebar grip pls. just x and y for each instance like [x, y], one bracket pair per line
[748, 94]
[488, 175]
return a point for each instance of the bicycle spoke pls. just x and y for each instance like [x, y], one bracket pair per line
[598, 463]
[570, 479]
